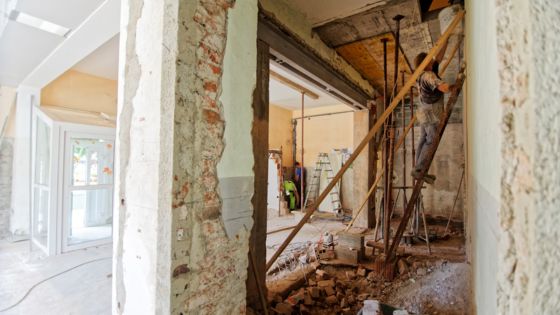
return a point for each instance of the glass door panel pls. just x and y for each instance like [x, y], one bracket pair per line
[89, 212]
[41, 188]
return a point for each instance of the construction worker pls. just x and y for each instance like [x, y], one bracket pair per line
[291, 194]
[299, 176]
[431, 89]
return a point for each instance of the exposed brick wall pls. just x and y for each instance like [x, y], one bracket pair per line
[209, 269]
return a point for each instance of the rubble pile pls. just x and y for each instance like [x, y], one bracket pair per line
[343, 290]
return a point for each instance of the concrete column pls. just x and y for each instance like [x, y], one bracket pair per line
[27, 97]
[184, 107]
[360, 170]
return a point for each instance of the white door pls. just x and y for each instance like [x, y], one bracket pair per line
[88, 190]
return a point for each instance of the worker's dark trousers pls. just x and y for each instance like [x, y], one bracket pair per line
[427, 137]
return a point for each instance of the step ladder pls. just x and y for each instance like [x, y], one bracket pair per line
[323, 164]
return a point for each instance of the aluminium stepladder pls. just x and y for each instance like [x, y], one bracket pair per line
[323, 163]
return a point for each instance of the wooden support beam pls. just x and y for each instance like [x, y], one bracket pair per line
[291, 84]
[259, 134]
[411, 81]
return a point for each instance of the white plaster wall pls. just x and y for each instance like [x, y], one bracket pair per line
[235, 169]
[483, 124]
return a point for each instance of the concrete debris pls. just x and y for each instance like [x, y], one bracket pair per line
[402, 266]
[361, 272]
[283, 308]
[345, 290]
[326, 283]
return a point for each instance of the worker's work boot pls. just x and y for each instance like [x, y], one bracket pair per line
[428, 178]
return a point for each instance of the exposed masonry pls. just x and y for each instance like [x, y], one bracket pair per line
[208, 268]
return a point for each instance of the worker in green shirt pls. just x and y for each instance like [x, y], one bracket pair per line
[291, 194]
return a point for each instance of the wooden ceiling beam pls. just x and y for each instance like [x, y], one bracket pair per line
[291, 84]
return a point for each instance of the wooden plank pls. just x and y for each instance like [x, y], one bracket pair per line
[294, 55]
[291, 84]
[411, 81]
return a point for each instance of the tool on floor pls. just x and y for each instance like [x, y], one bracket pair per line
[323, 164]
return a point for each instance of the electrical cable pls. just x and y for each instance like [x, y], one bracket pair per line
[47, 279]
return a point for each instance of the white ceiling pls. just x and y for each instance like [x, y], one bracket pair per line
[103, 62]
[23, 47]
[319, 12]
[286, 97]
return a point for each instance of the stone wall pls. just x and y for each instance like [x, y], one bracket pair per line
[6, 156]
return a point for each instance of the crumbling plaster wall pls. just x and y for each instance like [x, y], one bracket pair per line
[300, 27]
[528, 40]
[183, 133]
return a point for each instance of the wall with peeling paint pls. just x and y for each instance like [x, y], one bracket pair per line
[235, 169]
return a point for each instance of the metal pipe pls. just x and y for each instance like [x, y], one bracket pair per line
[413, 158]
[397, 18]
[386, 203]
[301, 172]
[390, 145]
[403, 147]
[325, 114]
